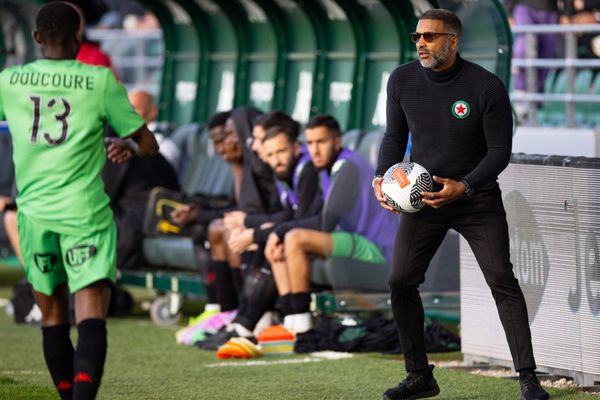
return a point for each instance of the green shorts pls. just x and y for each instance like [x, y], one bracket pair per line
[358, 247]
[51, 258]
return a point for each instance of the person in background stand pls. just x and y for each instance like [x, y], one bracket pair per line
[143, 103]
[584, 12]
[533, 12]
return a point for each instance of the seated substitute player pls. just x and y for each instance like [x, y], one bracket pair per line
[241, 223]
[238, 219]
[362, 232]
[298, 187]
[242, 231]
[227, 281]
[56, 109]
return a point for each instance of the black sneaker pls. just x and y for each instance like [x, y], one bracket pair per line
[219, 339]
[415, 386]
[531, 388]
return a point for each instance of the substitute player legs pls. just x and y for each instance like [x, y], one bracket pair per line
[291, 271]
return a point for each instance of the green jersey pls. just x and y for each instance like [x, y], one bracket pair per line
[56, 110]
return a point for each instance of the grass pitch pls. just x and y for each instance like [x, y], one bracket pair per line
[144, 362]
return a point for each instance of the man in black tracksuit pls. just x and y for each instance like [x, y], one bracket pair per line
[460, 119]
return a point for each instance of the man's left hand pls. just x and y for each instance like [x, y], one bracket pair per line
[240, 240]
[452, 190]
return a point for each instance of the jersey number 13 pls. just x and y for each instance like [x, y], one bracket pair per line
[62, 118]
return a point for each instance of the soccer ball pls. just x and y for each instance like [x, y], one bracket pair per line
[403, 184]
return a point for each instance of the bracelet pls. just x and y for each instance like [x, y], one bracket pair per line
[133, 145]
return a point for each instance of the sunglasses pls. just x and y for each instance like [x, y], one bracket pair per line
[428, 37]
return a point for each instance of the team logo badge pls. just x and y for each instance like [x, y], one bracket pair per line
[461, 109]
[77, 255]
[45, 262]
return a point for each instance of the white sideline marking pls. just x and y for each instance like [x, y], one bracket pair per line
[331, 355]
[21, 372]
[261, 362]
[314, 357]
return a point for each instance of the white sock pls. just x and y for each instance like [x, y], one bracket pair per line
[241, 330]
[288, 322]
[212, 307]
[302, 322]
[263, 323]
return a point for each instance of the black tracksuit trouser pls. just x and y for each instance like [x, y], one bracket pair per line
[481, 220]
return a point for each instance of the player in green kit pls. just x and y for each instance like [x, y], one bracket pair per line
[56, 109]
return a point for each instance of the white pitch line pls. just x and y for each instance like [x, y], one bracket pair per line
[20, 372]
[331, 355]
[264, 362]
[313, 357]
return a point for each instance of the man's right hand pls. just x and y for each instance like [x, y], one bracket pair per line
[377, 181]
[185, 214]
[274, 249]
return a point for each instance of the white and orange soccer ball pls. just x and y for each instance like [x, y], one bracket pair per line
[402, 186]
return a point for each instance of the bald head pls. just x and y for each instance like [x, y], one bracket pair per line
[143, 103]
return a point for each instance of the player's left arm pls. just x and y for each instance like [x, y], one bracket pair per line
[497, 125]
[142, 143]
[452, 191]
[146, 141]
[135, 137]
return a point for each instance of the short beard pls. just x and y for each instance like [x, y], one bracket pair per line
[283, 176]
[287, 175]
[437, 59]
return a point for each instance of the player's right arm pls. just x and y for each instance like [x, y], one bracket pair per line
[394, 142]
[395, 139]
